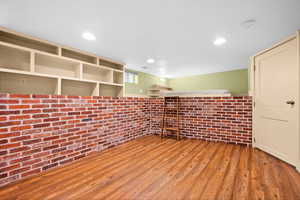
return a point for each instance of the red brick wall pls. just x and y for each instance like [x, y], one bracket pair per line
[225, 119]
[39, 132]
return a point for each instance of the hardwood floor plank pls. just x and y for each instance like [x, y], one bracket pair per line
[242, 179]
[271, 189]
[225, 192]
[293, 177]
[199, 186]
[215, 182]
[280, 178]
[154, 168]
[256, 183]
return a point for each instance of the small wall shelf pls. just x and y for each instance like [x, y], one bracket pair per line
[96, 73]
[45, 64]
[33, 66]
[110, 90]
[13, 58]
[78, 56]
[18, 39]
[27, 84]
[73, 87]
[110, 64]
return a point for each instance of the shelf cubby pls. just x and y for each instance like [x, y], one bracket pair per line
[13, 58]
[110, 90]
[110, 64]
[27, 42]
[96, 73]
[78, 56]
[79, 88]
[118, 77]
[27, 84]
[52, 65]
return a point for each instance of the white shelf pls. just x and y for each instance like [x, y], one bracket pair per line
[78, 56]
[113, 84]
[18, 74]
[27, 84]
[56, 66]
[27, 58]
[110, 90]
[109, 64]
[91, 72]
[18, 39]
[26, 73]
[103, 67]
[81, 88]
[13, 58]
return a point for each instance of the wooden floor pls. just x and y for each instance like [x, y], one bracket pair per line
[151, 168]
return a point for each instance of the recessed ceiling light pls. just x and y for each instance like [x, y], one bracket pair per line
[220, 41]
[88, 36]
[150, 60]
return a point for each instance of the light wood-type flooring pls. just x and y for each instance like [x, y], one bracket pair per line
[153, 168]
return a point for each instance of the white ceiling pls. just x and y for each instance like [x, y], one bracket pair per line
[178, 34]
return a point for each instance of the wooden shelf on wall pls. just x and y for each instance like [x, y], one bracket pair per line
[74, 87]
[96, 73]
[111, 64]
[27, 84]
[21, 40]
[27, 62]
[12, 58]
[111, 90]
[54, 65]
[78, 56]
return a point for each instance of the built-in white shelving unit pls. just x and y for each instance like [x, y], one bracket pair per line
[33, 66]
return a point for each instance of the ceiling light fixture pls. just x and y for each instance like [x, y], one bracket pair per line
[220, 41]
[88, 36]
[150, 61]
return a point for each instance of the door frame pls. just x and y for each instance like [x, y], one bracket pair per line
[252, 92]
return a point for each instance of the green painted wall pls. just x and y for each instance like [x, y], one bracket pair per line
[235, 81]
[145, 81]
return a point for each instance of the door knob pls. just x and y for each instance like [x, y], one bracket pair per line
[290, 102]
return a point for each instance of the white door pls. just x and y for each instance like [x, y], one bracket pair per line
[276, 96]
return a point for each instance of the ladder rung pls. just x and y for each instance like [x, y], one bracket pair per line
[171, 117]
[171, 128]
[170, 108]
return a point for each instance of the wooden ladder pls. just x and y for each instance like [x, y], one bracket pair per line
[174, 115]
